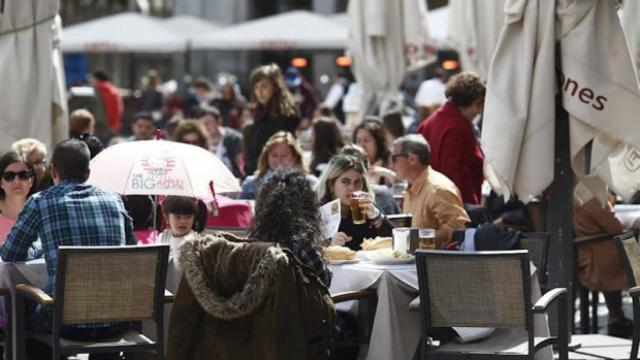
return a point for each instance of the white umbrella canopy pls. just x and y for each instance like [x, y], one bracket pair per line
[189, 27]
[159, 167]
[125, 32]
[34, 101]
[386, 39]
[291, 30]
[599, 91]
[631, 26]
[473, 29]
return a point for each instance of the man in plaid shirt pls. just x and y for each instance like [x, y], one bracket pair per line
[69, 213]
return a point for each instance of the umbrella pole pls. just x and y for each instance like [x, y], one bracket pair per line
[560, 214]
[155, 218]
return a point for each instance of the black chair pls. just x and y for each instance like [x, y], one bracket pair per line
[105, 284]
[537, 243]
[7, 343]
[486, 289]
[629, 251]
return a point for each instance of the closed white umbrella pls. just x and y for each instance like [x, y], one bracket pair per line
[33, 101]
[631, 26]
[473, 30]
[126, 32]
[599, 91]
[291, 30]
[386, 39]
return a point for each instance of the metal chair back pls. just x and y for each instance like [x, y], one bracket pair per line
[475, 289]
[109, 284]
[537, 243]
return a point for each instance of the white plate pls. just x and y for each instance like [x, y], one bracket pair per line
[393, 261]
[342, 262]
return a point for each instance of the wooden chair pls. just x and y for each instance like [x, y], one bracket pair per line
[368, 298]
[629, 251]
[484, 289]
[105, 284]
[400, 220]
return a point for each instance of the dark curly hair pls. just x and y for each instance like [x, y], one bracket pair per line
[465, 88]
[286, 206]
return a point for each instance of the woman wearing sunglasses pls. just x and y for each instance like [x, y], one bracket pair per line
[17, 183]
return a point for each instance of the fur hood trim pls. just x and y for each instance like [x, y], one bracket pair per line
[198, 256]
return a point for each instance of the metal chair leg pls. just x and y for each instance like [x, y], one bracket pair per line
[636, 328]
[584, 309]
[595, 297]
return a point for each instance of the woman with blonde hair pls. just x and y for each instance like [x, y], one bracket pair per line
[274, 110]
[36, 153]
[281, 150]
[343, 176]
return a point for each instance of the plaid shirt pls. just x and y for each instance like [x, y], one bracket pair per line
[70, 213]
[312, 257]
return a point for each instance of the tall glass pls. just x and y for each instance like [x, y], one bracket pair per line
[427, 239]
[401, 239]
[357, 216]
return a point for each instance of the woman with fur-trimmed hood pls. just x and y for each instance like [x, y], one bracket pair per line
[259, 299]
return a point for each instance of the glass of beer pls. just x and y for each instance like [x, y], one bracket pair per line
[427, 239]
[357, 215]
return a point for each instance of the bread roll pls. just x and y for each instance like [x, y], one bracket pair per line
[377, 243]
[339, 253]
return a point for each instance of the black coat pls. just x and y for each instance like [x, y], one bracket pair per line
[265, 125]
[366, 230]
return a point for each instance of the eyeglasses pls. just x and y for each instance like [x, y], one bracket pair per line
[394, 157]
[22, 175]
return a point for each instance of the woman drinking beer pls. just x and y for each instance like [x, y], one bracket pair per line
[345, 178]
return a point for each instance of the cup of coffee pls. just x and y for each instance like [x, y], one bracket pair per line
[357, 215]
[427, 239]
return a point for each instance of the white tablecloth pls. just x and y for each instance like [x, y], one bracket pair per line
[31, 272]
[396, 330]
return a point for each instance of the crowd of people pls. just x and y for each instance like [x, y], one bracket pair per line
[431, 169]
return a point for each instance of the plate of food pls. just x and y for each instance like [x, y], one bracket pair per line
[390, 257]
[342, 262]
[337, 255]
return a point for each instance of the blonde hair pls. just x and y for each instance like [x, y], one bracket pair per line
[279, 138]
[25, 146]
[80, 120]
[337, 166]
[281, 103]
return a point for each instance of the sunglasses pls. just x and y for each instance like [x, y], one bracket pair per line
[10, 175]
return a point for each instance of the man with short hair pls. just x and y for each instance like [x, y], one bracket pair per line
[142, 126]
[69, 213]
[432, 199]
[226, 142]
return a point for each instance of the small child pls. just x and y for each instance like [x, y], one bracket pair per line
[184, 216]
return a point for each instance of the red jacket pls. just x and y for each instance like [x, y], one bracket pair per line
[455, 152]
[113, 104]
